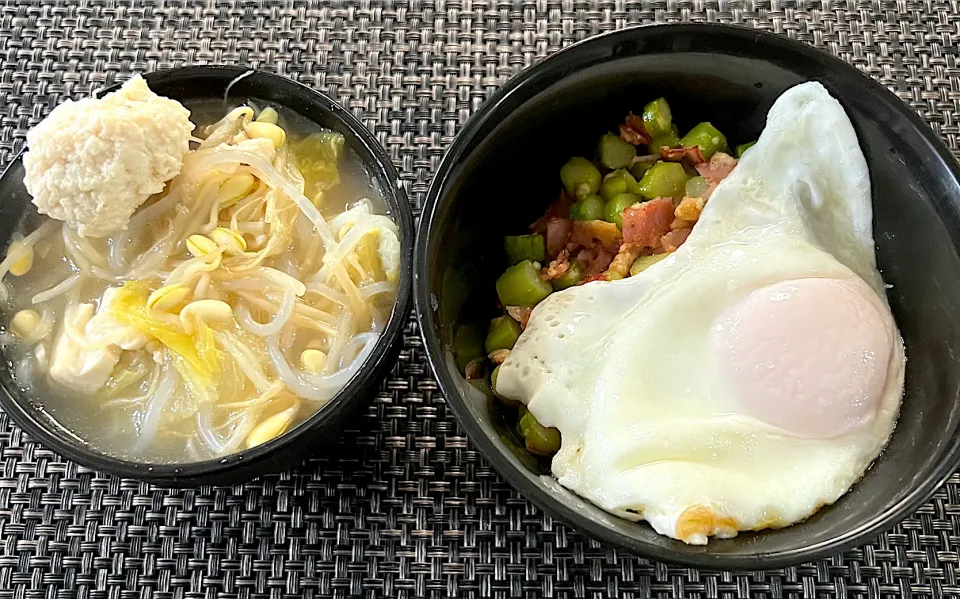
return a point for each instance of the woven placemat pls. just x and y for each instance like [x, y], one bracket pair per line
[402, 505]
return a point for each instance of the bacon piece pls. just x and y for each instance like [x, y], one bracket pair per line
[646, 223]
[590, 232]
[557, 233]
[632, 131]
[679, 223]
[636, 123]
[672, 154]
[718, 168]
[694, 155]
[594, 260]
[674, 239]
[625, 258]
[631, 137]
[557, 267]
[560, 208]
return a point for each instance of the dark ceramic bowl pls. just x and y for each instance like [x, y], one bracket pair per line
[502, 172]
[195, 85]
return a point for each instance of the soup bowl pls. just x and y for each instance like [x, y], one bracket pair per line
[502, 172]
[198, 86]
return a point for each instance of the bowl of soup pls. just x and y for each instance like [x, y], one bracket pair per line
[206, 272]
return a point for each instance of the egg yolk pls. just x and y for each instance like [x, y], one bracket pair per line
[809, 356]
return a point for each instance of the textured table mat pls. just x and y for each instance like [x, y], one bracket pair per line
[403, 505]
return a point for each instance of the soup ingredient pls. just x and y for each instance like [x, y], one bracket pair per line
[580, 178]
[268, 115]
[93, 162]
[230, 241]
[275, 134]
[234, 189]
[88, 348]
[271, 428]
[521, 285]
[749, 378]
[318, 156]
[130, 306]
[313, 360]
[25, 323]
[24, 262]
[231, 309]
[525, 247]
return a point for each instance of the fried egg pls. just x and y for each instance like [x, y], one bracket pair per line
[749, 378]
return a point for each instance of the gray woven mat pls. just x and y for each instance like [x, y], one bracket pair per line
[402, 506]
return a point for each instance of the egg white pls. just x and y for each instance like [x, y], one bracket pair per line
[624, 369]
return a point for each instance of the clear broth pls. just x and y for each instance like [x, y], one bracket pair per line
[112, 430]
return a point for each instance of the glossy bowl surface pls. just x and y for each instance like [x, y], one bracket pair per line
[192, 85]
[502, 172]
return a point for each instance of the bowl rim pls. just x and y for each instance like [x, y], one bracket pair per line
[395, 196]
[427, 322]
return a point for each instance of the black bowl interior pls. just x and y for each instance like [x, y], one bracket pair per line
[502, 172]
[202, 86]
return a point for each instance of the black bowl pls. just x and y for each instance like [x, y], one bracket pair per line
[502, 172]
[192, 85]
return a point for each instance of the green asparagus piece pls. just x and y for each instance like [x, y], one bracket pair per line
[616, 153]
[521, 285]
[744, 147]
[640, 168]
[663, 180]
[657, 117]
[569, 278]
[617, 182]
[502, 334]
[667, 140]
[580, 177]
[525, 247]
[589, 208]
[613, 211]
[468, 344]
[539, 439]
[644, 262]
[696, 187]
[707, 137]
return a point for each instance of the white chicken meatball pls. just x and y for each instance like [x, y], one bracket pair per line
[93, 162]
